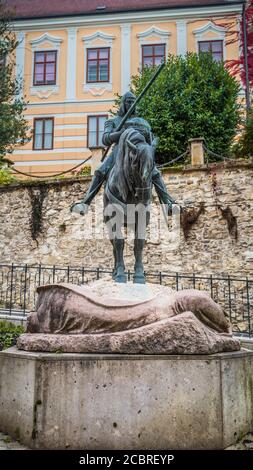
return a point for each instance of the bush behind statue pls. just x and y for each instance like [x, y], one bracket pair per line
[194, 96]
[6, 177]
[9, 333]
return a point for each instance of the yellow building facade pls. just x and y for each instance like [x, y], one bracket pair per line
[72, 67]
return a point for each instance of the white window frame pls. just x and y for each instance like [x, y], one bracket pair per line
[153, 36]
[105, 40]
[93, 115]
[44, 91]
[201, 35]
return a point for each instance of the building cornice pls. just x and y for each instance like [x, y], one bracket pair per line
[118, 18]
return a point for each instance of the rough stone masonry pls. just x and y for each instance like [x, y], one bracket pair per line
[36, 225]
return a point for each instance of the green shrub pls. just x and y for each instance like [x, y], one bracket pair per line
[9, 332]
[6, 177]
[194, 96]
[83, 171]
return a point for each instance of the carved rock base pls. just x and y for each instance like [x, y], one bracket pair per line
[107, 317]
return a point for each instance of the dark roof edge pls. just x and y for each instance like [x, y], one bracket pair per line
[179, 7]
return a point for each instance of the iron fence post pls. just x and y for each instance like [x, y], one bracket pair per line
[39, 274]
[194, 281]
[211, 285]
[11, 287]
[248, 304]
[25, 282]
[229, 298]
[176, 281]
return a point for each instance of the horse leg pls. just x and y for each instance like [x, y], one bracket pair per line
[120, 266]
[114, 273]
[139, 277]
[118, 274]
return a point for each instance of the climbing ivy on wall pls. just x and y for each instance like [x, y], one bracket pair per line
[37, 197]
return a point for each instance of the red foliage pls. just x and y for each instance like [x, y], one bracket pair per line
[237, 67]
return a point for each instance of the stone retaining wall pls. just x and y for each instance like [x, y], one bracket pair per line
[62, 238]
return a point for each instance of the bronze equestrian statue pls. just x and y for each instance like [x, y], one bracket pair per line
[111, 136]
[129, 173]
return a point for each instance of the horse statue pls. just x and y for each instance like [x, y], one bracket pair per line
[127, 195]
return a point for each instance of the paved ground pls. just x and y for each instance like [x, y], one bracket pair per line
[6, 443]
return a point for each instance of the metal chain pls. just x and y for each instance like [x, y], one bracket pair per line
[210, 152]
[160, 167]
[51, 176]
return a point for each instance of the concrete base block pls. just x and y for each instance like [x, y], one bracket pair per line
[96, 401]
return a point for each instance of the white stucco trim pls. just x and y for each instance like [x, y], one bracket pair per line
[154, 31]
[98, 89]
[125, 57]
[20, 59]
[60, 150]
[66, 138]
[98, 35]
[181, 37]
[219, 31]
[209, 27]
[64, 115]
[158, 35]
[49, 162]
[55, 115]
[45, 91]
[71, 65]
[46, 37]
[162, 15]
[63, 127]
[96, 102]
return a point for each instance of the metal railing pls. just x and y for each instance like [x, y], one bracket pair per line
[18, 284]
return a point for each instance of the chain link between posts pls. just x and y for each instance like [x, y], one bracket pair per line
[160, 167]
[31, 175]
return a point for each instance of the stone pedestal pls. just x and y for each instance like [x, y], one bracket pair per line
[197, 151]
[96, 401]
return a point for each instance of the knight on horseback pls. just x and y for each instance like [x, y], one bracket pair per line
[111, 136]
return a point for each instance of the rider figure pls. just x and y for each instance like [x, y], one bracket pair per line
[111, 136]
